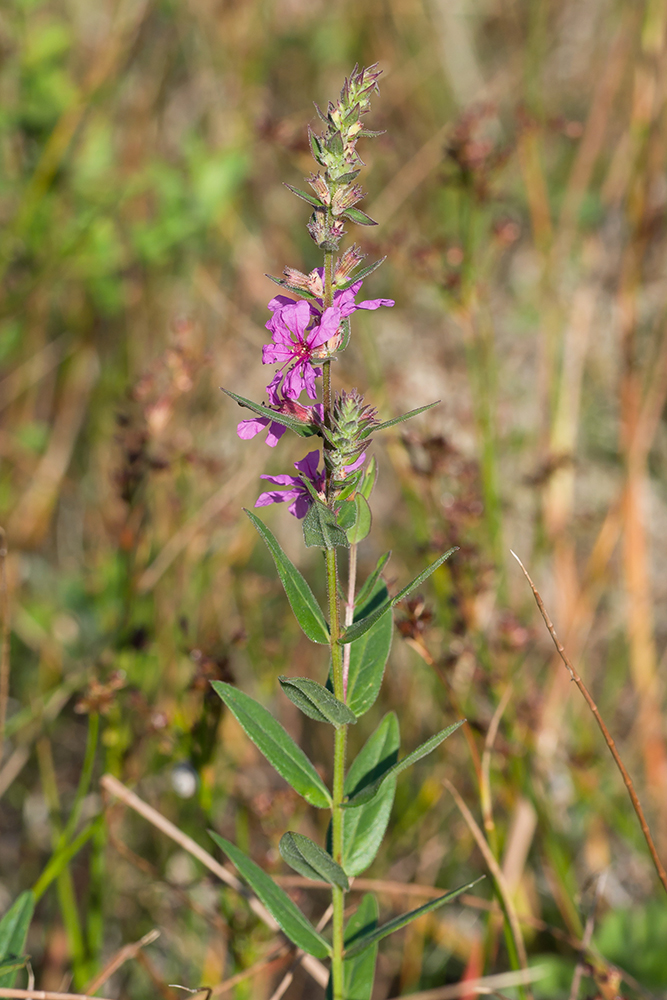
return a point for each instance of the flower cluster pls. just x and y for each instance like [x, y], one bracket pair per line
[307, 331]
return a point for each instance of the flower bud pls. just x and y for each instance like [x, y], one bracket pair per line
[345, 197]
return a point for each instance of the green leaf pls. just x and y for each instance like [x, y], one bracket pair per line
[369, 583]
[356, 215]
[276, 744]
[359, 971]
[12, 965]
[316, 702]
[395, 925]
[364, 828]
[399, 420]
[370, 477]
[360, 275]
[306, 610]
[357, 629]
[309, 860]
[364, 519]
[298, 426]
[290, 918]
[369, 654]
[347, 515]
[320, 528]
[13, 932]
[367, 792]
[310, 198]
[301, 292]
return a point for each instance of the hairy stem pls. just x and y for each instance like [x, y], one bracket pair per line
[340, 732]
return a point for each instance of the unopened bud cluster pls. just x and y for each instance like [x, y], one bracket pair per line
[352, 422]
[335, 150]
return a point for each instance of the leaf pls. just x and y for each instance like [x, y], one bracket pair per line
[357, 629]
[305, 857]
[316, 702]
[366, 793]
[276, 744]
[395, 925]
[370, 478]
[298, 426]
[364, 519]
[356, 215]
[345, 332]
[360, 275]
[311, 199]
[359, 971]
[399, 420]
[290, 918]
[13, 933]
[302, 292]
[369, 583]
[369, 654]
[364, 828]
[347, 515]
[306, 610]
[320, 528]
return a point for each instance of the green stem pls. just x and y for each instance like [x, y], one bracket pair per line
[340, 739]
[340, 733]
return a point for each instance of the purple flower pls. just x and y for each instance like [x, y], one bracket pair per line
[294, 344]
[282, 403]
[296, 490]
[344, 300]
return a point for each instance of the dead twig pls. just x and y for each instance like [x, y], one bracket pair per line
[636, 805]
[116, 788]
[4, 639]
[497, 874]
[44, 995]
[125, 954]
[485, 984]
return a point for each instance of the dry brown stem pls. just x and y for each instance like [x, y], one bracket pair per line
[116, 788]
[496, 872]
[636, 805]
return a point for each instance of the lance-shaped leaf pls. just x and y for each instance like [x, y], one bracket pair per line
[316, 701]
[357, 629]
[367, 792]
[298, 426]
[306, 610]
[310, 198]
[369, 583]
[305, 857]
[320, 528]
[290, 918]
[13, 932]
[301, 292]
[364, 828]
[276, 744]
[359, 971]
[373, 937]
[360, 275]
[398, 420]
[369, 653]
[370, 477]
[356, 215]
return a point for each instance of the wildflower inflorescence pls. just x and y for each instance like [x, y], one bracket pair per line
[330, 493]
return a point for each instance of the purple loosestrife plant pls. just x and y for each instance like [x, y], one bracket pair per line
[331, 495]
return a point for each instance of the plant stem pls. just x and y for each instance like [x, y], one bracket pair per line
[340, 732]
[349, 612]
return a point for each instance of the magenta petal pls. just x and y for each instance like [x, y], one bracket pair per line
[276, 431]
[278, 302]
[375, 303]
[247, 429]
[295, 383]
[355, 465]
[327, 329]
[275, 496]
[308, 464]
[300, 506]
[282, 480]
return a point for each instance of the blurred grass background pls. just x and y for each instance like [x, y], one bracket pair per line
[521, 194]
